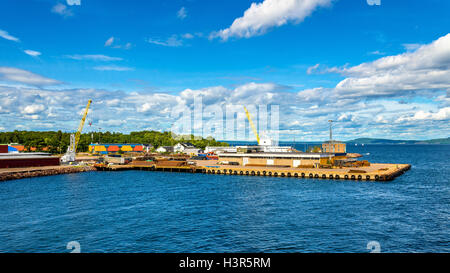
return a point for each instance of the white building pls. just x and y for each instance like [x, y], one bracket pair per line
[191, 151]
[186, 148]
[180, 147]
[220, 149]
[165, 149]
[276, 149]
[148, 148]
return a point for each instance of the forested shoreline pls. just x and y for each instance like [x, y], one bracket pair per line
[57, 141]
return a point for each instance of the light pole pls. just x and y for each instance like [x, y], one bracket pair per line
[92, 134]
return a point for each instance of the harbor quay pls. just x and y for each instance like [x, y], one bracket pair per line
[375, 172]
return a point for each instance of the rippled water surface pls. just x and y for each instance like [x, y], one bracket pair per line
[138, 211]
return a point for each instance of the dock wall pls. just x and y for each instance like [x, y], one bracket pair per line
[383, 174]
[387, 174]
[12, 174]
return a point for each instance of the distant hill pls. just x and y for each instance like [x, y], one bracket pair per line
[393, 141]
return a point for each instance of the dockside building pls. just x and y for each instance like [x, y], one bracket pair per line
[292, 159]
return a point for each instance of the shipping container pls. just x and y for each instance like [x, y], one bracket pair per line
[3, 149]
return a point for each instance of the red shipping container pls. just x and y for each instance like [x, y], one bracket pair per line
[113, 148]
[3, 149]
[20, 162]
[138, 148]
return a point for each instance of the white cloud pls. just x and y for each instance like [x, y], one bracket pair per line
[7, 36]
[33, 109]
[109, 41]
[377, 52]
[113, 68]
[182, 13]
[426, 69]
[33, 117]
[113, 122]
[441, 114]
[112, 42]
[94, 57]
[126, 46]
[32, 53]
[172, 41]
[155, 104]
[380, 119]
[306, 120]
[412, 47]
[26, 77]
[345, 117]
[188, 36]
[312, 69]
[260, 17]
[74, 2]
[62, 9]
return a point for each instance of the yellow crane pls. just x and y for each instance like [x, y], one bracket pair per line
[251, 124]
[80, 127]
[75, 139]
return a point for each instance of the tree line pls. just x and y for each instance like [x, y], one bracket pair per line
[56, 142]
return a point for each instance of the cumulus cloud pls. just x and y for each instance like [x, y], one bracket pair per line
[26, 77]
[94, 57]
[260, 17]
[412, 47]
[143, 110]
[7, 36]
[368, 102]
[346, 117]
[441, 114]
[32, 53]
[370, 98]
[182, 13]
[425, 69]
[60, 108]
[33, 109]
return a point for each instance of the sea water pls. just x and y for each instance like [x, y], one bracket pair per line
[142, 211]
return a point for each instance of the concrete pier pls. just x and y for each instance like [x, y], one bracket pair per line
[375, 172]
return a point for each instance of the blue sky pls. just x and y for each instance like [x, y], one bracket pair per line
[317, 59]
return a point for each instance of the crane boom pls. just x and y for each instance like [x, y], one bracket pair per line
[69, 157]
[80, 127]
[251, 124]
